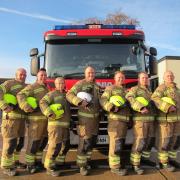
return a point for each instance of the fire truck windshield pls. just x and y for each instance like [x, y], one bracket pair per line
[70, 59]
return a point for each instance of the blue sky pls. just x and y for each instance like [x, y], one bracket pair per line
[23, 22]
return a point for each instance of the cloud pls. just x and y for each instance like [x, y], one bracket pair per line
[36, 16]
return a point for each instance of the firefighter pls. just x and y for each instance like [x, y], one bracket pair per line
[56, 108]
[28, 100]
[167, 100]
[13, 123]
[113, 101]
[85, 95]
[143, 118]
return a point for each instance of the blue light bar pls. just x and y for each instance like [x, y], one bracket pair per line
[68, 27]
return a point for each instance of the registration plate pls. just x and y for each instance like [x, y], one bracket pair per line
[102, 139]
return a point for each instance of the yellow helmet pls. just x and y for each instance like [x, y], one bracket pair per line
[169, 100]
[10, 99]
[142, 100]
[32, 102]
[117, 100]
[57, 109]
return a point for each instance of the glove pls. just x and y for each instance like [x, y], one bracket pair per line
[172, 109]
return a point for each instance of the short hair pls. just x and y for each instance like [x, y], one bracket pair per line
[42, 69]
[89, 67]
[119, 72]
[142, 72]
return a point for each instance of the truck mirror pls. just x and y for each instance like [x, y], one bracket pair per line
[153, 51]
[35, 65]
[34, 52]
[152, 65]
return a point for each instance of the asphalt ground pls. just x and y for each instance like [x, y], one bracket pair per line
[99, 171]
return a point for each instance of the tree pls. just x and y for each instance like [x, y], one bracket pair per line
[117, 17]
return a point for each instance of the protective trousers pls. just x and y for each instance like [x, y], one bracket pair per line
[37, 140]
[117, 131]
[58, 141]
[143, 135]
[168, 133]
[13, 131]
[87, 131]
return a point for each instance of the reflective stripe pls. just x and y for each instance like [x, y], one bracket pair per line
[7, 162]
[30, 159]
[163, 157]
[168, 119]
[16, 156]
[143, 118]
[3, 88]
[13, 115]
[60, 158]
[18, 86]
[88, 115]
[81, 159]
[48, 163]
[135, 158]
[118, 116]
[58, 123]
[89, 154]
[114, 160]
[172, 154]
[38, 90]
[47, 111]
[146, 154]
[37, 118]
[39, 155]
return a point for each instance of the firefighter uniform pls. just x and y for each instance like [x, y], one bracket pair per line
[168, 122]
[58, 129]
[117, 125]
[13, 125]
[37, 123]
[88, 123]
[144, 135]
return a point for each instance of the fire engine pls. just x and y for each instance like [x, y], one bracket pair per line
[108, 48]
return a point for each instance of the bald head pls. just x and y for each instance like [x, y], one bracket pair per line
[21, 75]
[168, 77]
[60, 84]
[89, 74]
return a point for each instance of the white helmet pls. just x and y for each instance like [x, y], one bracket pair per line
[84, 96]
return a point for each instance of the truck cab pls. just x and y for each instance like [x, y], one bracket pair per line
[108, 48]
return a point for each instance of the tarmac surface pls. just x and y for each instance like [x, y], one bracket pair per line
[99, 171]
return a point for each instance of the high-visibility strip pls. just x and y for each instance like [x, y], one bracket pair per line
[81, 159]
[76, 100]
[172, 154]
[168, 119]
[7, 162]
[118, 116]
[89, 154]
[114, 160]
[46, 98]
[37, 118]
[143, 118]
[38, 90]
[88, 115]
[164, 106]
[146, 154]
[137, 106]
[3, 88]
[163, 157]
[48, 163]
[13, 115]
[30, 159]
[39, 155]
[16, 156]
[18, 86]
[135, 158]
[58, 123]
[60, 158]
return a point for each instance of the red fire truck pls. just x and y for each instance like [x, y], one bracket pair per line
[108, 48]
